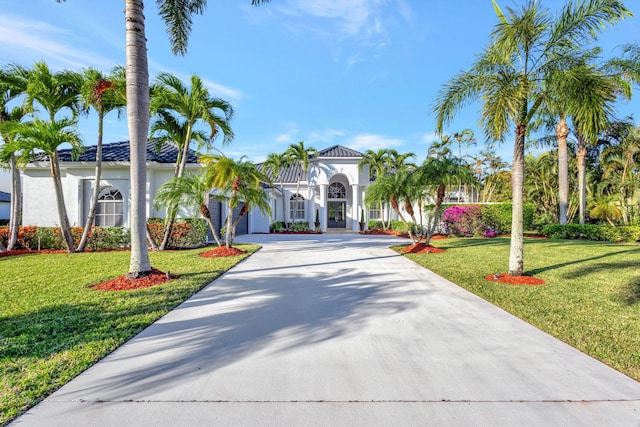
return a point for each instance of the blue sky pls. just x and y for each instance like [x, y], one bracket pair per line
[361, 73]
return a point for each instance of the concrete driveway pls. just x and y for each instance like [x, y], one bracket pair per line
[338, 330]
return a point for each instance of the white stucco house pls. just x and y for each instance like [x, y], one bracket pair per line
[333, 186]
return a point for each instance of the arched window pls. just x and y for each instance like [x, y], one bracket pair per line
[109, 212]
[337, 191]
[296, 207]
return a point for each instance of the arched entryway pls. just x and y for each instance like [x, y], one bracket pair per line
[337, 204]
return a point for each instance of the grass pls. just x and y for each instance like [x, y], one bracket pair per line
[53, 326]
[591, 300]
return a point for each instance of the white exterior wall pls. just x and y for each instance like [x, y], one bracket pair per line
[39, 201]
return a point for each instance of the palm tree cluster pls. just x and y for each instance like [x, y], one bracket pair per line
[63, 96]
[540, 67]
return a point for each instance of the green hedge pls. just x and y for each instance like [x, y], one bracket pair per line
[601, 233]
[185, 233]
[34, 238]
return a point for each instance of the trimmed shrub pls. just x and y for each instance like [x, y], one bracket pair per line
[375, 224]
[277, 227]
[601, 233]
[497, 217]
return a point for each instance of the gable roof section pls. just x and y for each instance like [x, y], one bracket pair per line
[119, 152]
[339, 151]
[289, 175]
[5, 197]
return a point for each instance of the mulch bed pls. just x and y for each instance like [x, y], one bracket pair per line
[156, 277]
[222, 251]
[30, 252]
[421, 248]
[515, 280]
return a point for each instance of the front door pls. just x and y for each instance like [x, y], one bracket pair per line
[337, 215]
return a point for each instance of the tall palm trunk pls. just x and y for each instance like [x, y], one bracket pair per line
[137, 73]
[171, 213]
[581, 154]
[516, 254]
[562, 131]
[16, 203]
[65, 227]
[96, 186]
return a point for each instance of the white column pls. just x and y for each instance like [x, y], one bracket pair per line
[323, 207]
[355, 226]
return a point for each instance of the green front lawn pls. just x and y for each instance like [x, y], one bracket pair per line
[591, 300]
[53, 326]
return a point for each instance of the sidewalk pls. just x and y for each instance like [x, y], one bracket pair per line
[338, 330]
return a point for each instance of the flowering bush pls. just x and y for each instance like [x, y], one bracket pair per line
[466, 221]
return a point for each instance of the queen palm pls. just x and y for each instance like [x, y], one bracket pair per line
[47, 136]
[236, 181]
[526, 46]
[102, 93]
[187, 190]
[298, 154]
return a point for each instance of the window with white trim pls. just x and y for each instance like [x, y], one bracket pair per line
[109, 211]
[296, 207]
[375, 213]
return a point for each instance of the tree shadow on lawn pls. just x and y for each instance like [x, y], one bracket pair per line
[589, 269]
[237, 317]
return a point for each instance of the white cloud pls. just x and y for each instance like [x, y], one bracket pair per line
[25, 41]
[428, 138]
[373, 142]
[324, 136]
[366, 21]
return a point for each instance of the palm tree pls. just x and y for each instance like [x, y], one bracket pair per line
[188, 106]
[236, 180]
[104, 94]
[177, 18]
[440, 148]
[298, 154]
[466, 138]
[435, 175]
[55, 93]
[396, 189]
[47, 137]
[526, 47]
[12, 154]
[378, 162]
[13, 82]
[189, 190]
[274, 165]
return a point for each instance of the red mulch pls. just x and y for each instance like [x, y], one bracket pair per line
[222, 251]
[421, 248]
[121, 283]
[27, 252]
[516, 280]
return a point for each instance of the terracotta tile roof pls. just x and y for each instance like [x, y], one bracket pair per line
[5, 197]
[119, 152]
